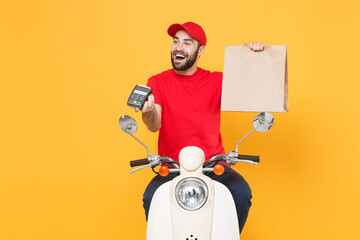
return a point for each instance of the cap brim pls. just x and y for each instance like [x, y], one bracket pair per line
[172, 30]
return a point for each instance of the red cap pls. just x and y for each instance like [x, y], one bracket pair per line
[191, 28]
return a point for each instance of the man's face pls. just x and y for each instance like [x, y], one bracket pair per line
[184, 51]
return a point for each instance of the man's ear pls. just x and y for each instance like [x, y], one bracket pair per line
[201, 50]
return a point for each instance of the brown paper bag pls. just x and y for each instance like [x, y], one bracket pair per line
[255, 81]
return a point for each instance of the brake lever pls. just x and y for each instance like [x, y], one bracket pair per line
[142, 167]
[245, 161]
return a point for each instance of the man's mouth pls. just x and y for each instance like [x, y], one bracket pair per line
[179, 57]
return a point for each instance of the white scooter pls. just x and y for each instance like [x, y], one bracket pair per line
[192, 206]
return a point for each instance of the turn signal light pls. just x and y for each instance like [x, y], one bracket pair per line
[164, 171]
[219, 169]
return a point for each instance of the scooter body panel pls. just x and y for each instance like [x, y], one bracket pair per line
[216, 223]
[225, 221]
[159, 225]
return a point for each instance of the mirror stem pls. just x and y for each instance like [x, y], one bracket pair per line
[236, 149]
[148, 152]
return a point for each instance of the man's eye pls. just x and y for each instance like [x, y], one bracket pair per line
[187, 43]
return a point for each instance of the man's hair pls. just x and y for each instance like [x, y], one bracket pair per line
[199, 44]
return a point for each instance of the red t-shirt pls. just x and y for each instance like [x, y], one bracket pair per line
[190, 112]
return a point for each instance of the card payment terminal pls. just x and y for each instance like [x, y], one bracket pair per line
[138, 96]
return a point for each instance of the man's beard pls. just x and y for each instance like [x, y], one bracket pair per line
[188, 63]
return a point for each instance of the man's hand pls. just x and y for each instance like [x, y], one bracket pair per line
[151, 114]
[256, 46]
[148, 106]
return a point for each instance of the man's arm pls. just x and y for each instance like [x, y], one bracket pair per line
[151, 114]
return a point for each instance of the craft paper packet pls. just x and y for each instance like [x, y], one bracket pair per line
[255, 81]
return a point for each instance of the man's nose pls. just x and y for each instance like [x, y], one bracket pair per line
[180, 47]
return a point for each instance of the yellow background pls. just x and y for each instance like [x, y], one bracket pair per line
[67, 67]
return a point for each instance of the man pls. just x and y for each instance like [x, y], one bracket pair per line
[185, 108]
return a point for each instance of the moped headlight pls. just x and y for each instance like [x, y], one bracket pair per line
[191, 193]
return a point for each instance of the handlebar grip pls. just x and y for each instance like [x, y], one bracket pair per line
[139, 162]
[249, 157]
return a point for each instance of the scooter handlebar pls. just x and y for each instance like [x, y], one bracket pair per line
[249, 157]
[139, 162]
